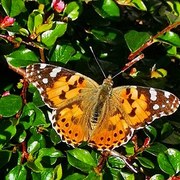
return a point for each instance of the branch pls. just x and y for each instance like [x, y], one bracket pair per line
[151, 41]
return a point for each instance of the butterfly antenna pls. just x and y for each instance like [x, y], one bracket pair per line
[97, 61]
[129, 64]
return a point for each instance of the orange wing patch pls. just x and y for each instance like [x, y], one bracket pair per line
[67, 122]
[143, 105]
[113, 132]
[57, 84]
[65, 87]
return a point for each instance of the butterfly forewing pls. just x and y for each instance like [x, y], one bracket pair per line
[56, 84]
[142, 105]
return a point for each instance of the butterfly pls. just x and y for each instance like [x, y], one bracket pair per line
[103, 116]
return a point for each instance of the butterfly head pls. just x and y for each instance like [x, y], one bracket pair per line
[108, 81]
[107, 84]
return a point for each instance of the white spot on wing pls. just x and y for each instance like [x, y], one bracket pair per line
[41, 90]
[154, 116]
[35, 84]
[167, 94]
[55, 71]
[31, 74]
[162, 114]
[42, 66]
[156, 106]
[153, 94]
[45, 80]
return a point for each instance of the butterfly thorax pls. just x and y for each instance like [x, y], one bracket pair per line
[105, 91]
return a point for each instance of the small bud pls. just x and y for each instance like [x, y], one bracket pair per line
[6, 93]
[7, 21]
[58, 5]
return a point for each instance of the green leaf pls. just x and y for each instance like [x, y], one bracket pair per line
[139, 5]
[55, 138]
[58, 171]
[13, 8]
[174, 159]
[45, 2]
[33, 147]
[114, 174]
[47, 155]
[44, 27]
[169, 162]
[62, 53]
[172, 51]
[36, 141]
[24, 32]
[18, 172]
[36, 95]
[129, 147]
[35, 19]
[36, 116]
[107, 35]
[175, 6]
[5, 157]
[145, 162]
[49, 37]
[135, 3]
[171, 38]
[107, 9]
[81, 159]
[10, 105]
[74, 176]
[157, 177]
[31, 165]
[73, 10]
[151, 132]
[116, 162]
[135, 39]
[7, 131]
[22, 57]
[37, 100]
[93, 175]
[173, 138]
[128, 176]
[156, 148]
[167, 129]
[20, 135]
[44, 174]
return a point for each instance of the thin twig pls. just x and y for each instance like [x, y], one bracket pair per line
[19, 71]
[151, 41]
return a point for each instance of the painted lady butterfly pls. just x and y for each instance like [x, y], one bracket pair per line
[103, 116]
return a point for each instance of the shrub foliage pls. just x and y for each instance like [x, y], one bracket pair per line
[60, 33]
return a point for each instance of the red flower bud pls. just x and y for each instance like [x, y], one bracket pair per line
[7, 21]
[5, 93]
[58, 5]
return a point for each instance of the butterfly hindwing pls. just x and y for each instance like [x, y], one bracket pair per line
[112, 130]
[72, 121]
